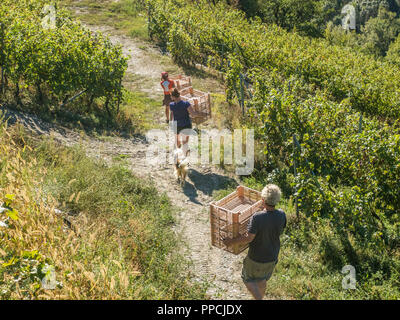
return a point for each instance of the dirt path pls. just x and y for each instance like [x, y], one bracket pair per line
[142, 69]
[219, 268]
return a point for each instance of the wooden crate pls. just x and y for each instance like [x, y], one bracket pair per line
[182, 82]
[201, 103]
[229, 216]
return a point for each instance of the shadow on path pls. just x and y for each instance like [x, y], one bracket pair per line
[190, 191]
[207, 183]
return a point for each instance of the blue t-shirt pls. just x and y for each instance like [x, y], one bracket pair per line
[180, 112]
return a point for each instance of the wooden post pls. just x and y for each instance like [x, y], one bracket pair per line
[209, 104]
[295, 174]
[241, 93]
[2, 81]
[211, 221]
[240, 191]
[235, 229]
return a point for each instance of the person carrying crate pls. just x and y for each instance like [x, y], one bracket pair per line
[167, 85]
[181, 111]
[263, 232]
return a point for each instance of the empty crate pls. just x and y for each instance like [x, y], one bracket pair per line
[182, 82]
[229, 216]
[201, 103]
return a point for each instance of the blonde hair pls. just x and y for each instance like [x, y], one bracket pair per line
[271, 194]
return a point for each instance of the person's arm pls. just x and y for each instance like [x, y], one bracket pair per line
[246, 238]
[171, 110]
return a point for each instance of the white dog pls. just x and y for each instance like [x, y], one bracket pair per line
[181, 165]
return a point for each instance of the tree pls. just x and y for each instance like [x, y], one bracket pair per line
[393, 54]
[288, 14]
[336, 35]
[378, 33]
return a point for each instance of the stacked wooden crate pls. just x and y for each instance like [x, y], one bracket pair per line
[201, 103]
[230, 216]
[199, 100]
[182, 81]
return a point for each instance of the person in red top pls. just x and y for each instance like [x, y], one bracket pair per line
[167, 85]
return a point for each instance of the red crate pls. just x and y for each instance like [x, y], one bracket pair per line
[229, 217]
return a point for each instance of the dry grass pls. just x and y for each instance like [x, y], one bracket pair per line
[39, 229]
[111, 248]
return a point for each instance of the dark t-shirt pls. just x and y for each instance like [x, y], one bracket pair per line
[180, 112]
[267, 226]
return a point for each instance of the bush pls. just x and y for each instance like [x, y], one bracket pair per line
[54, 65]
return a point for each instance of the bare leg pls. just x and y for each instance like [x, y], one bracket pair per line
[261, 287]
[185, 145]
[254, 290]
[167, 112]
[178, 141]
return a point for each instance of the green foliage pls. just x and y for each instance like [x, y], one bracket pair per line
[376, 20]
[336, 35]
[313, 253]
[378, 33]
[393, 54]
[57, 63]
[219, 34]
[369, 8]
[288, 14]
[338, 155]
[312, 16]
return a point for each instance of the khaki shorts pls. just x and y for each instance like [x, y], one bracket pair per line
[255, 271]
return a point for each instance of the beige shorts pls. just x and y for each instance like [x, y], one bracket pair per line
[255, 271]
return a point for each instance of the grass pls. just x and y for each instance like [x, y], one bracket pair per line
[125, 16]
[142, 110]
[313, 255]
[314, 251]
[112, 240]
